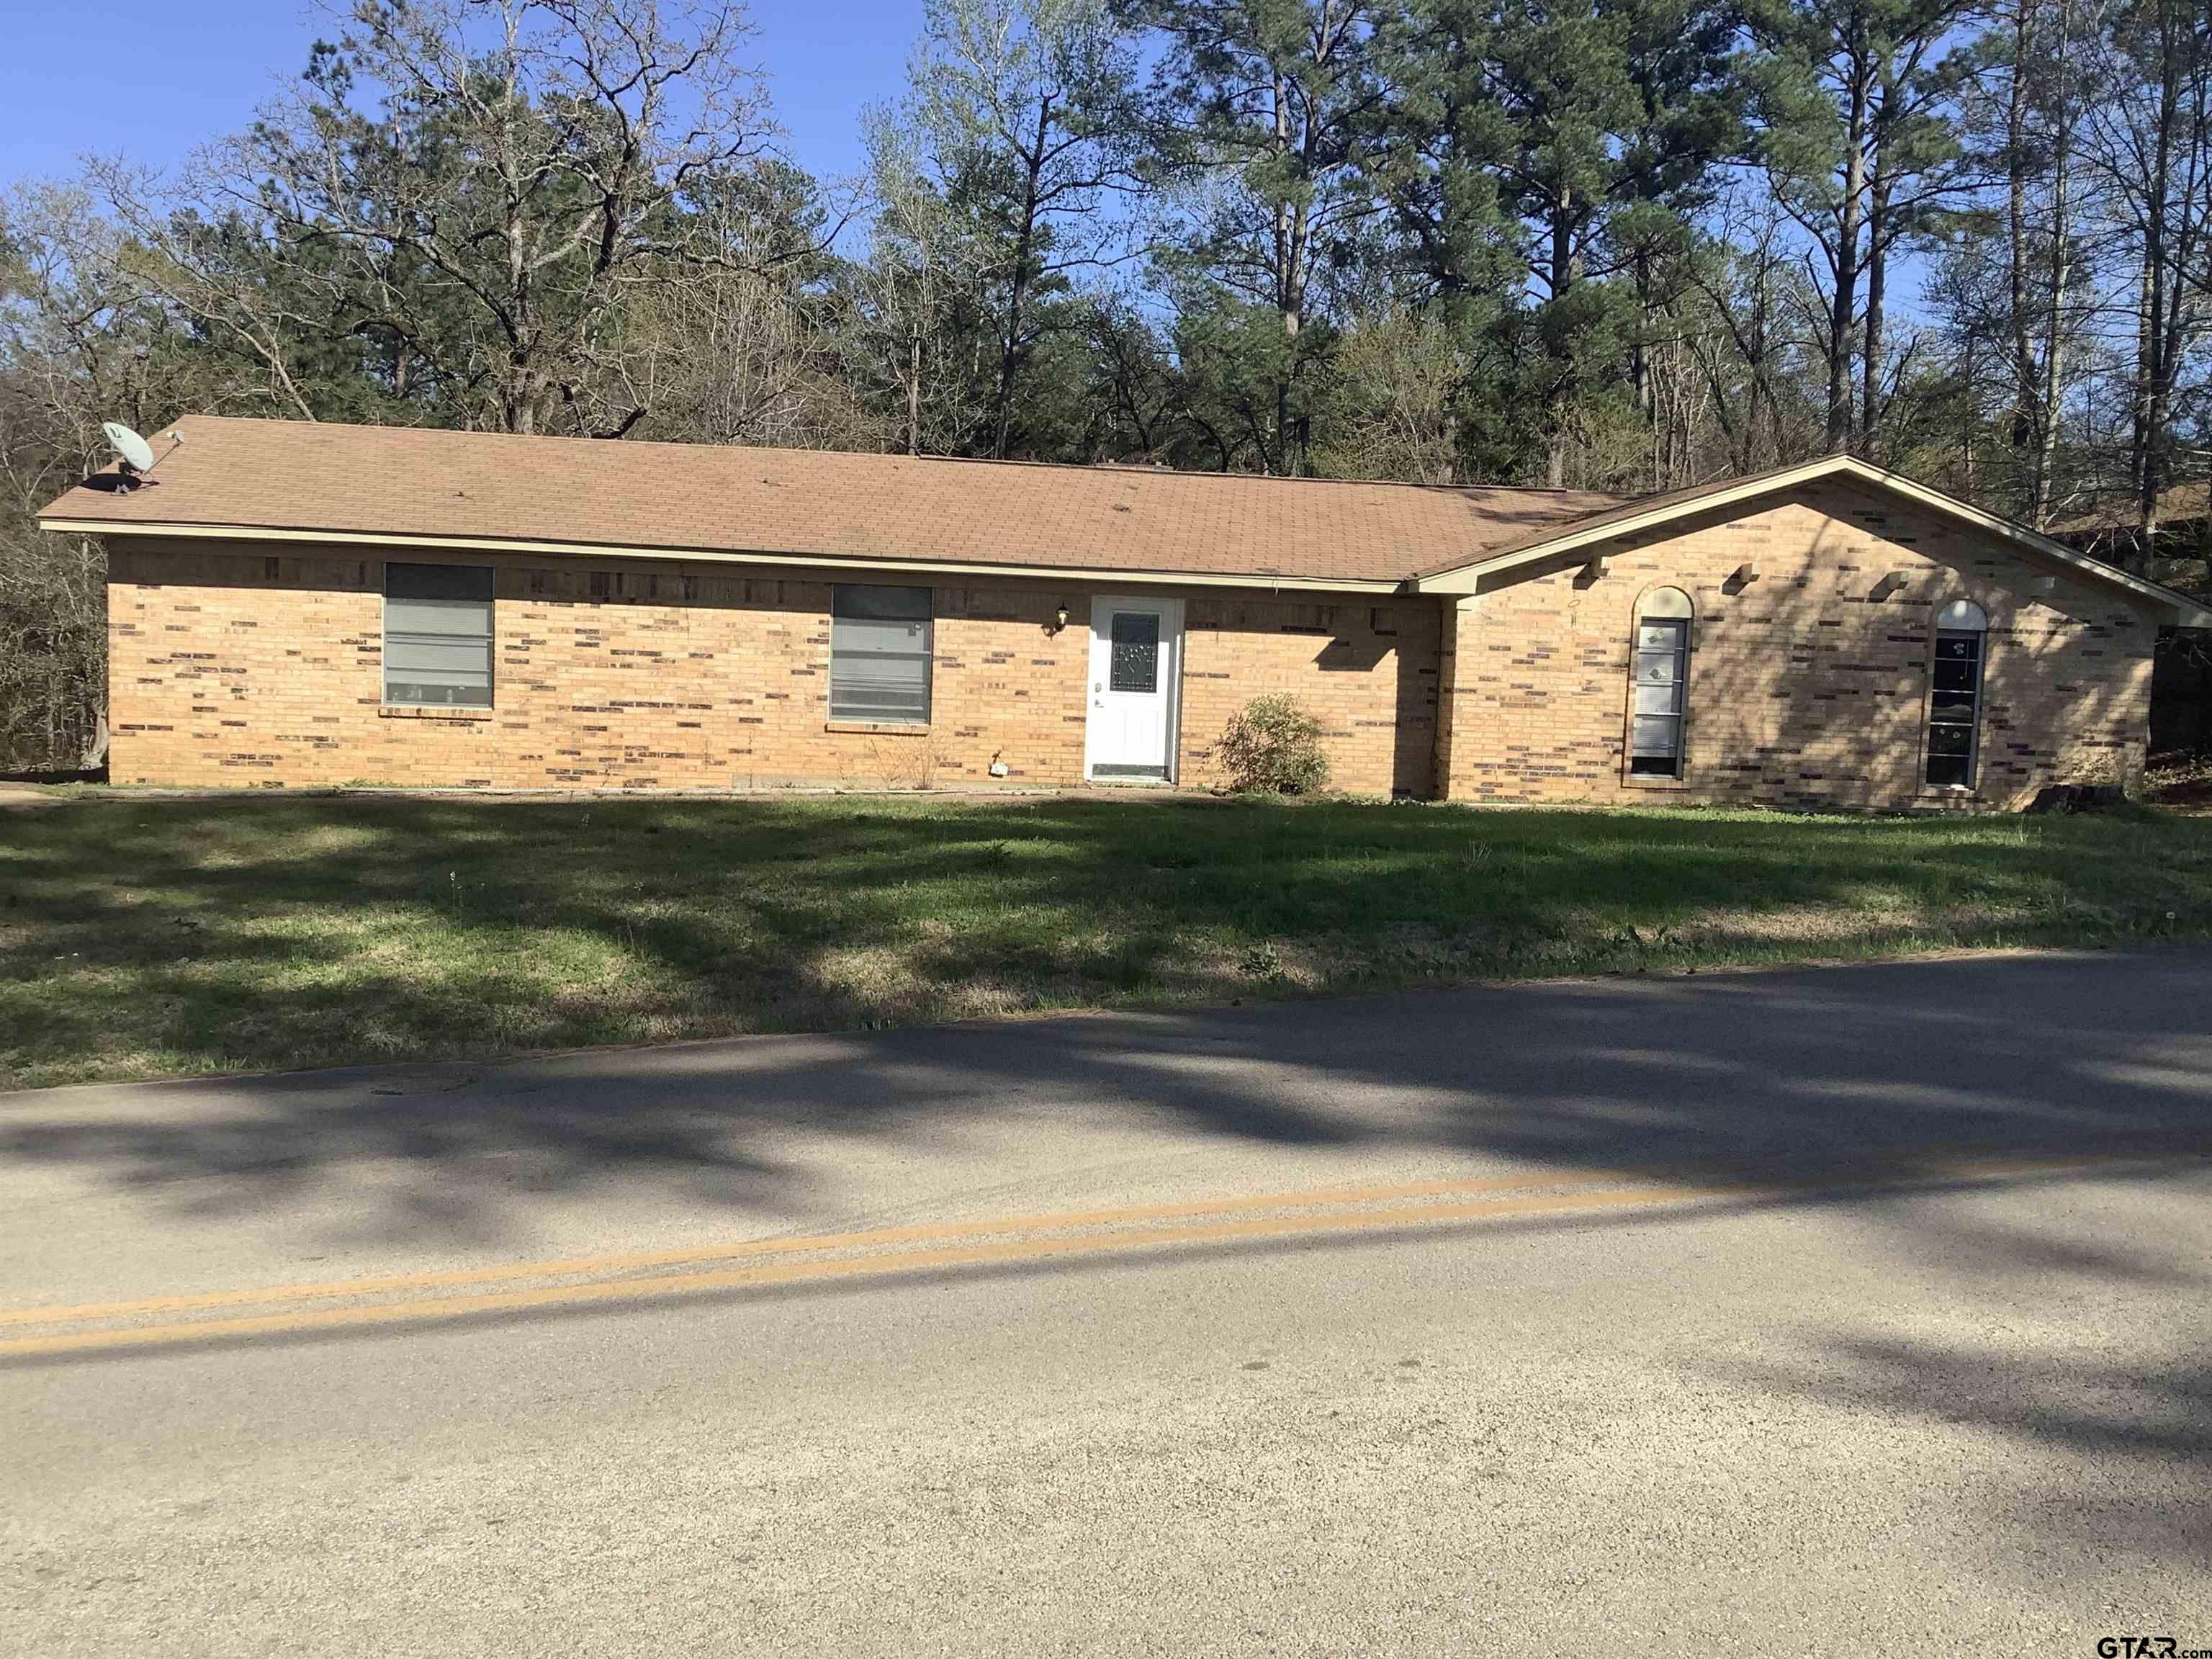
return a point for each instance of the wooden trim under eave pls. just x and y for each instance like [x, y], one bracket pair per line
[104, 527]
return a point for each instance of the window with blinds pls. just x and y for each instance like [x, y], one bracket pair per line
[1661, 670]
[1955, 698]
[880, 654]
[437, 636]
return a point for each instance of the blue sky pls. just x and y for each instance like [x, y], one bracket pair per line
[153, 78]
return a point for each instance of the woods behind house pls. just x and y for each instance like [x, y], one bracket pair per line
[1631, 245]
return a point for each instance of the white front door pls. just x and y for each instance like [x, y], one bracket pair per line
[1136, 669]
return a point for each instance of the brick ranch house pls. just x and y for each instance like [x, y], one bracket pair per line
[292, 603]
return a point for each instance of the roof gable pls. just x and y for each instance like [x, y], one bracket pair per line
[1653, 513]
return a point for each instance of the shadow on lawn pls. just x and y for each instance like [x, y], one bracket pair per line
[1797, 1076]
[285, 932]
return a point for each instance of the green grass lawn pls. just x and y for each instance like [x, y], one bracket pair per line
[146, 936]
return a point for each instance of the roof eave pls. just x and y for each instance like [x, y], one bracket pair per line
[384, 541]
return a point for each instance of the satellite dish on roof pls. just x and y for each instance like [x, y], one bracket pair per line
[137, 454]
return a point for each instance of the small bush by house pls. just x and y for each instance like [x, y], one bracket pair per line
[1272, 746]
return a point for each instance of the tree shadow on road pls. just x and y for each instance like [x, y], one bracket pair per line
[1894, 1071]
[1912, 1064]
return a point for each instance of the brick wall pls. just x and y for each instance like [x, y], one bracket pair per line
[230, 667]
[1367, 671]
[1805, 687]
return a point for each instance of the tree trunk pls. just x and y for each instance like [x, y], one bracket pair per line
[1878, 234]
[1018, 287]
[913, 396]
[1561, 280]
[1760, 402]
[2041, 487]
[1293, 226]
[1639, 372]
[2159, 343]
[523, 391]
[1639, 353]
[2025, 425]
[1842, 314]
[1968, 370]
[2139, 393]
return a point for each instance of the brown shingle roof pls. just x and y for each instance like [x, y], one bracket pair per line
[587, 493]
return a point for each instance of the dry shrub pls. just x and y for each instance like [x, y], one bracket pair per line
[1272, 746]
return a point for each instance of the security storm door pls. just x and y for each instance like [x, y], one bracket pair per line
[1136, 668]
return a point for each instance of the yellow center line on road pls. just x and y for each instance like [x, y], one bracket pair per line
[796, 1271]
[1292, 1215]
[572, 1266]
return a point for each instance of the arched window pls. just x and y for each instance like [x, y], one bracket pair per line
[1661, 678]
[1955, 698]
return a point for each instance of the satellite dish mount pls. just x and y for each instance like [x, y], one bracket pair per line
[134, 456]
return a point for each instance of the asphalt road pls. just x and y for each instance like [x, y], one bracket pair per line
[1850, 1311]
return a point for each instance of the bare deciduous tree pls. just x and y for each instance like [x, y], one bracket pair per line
[83, 339]
[2149, 139]
[518, 175]
[902, 302]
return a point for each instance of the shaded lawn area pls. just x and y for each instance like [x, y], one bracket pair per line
[142, 938]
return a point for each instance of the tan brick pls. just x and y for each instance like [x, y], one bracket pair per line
[230, 666]
[691, 676]
[1805, 689]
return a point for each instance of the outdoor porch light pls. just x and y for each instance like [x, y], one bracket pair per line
[1058, 618]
